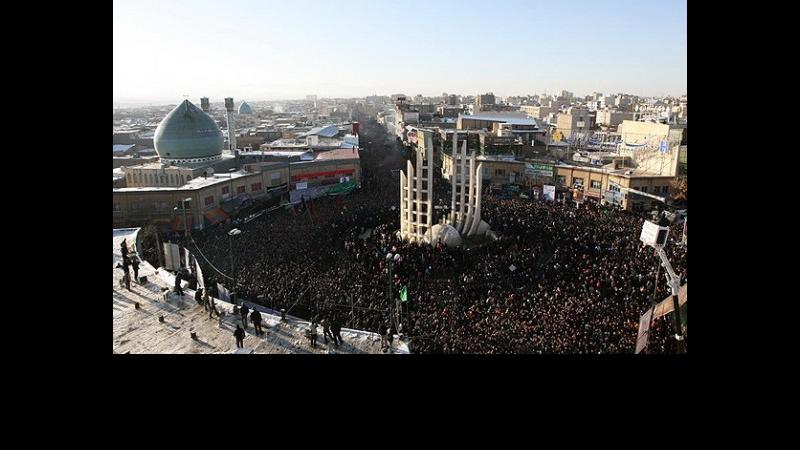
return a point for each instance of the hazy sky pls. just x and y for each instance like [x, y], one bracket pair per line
[271, 49]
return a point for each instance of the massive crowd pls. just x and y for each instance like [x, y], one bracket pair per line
[559, 280]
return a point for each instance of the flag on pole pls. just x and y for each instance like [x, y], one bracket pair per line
[404, 294]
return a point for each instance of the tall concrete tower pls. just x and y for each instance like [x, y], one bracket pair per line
[416, 192]
[204, 105]
[416, 197]
[465, 203]
[231, 125]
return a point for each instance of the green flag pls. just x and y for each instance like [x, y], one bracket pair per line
[404, 294]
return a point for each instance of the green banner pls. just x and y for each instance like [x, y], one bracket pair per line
[542, 170]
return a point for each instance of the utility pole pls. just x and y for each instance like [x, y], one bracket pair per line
[185, 227]
[655, 294]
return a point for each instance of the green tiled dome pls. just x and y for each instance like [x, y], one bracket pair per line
[186, 133]
[244, 108]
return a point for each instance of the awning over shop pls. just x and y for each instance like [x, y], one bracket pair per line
[343, 188]
[590, 193]
[215, 216]
[232, 204]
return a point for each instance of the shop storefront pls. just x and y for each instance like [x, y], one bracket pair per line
[612, 197]
[591, 195]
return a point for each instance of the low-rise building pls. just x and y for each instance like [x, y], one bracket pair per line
[136, 206]
[497, 169]
[612, 186]
[576, 122]
[518, 124]
[611, 118]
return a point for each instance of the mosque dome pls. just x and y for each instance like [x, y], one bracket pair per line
[244, 108]
[188, 134]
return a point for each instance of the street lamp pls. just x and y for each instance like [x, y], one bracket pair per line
[230, 181]
[233, 232]
[183, 208]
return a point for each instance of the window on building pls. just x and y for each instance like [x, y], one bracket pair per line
[116, 207]
[665, 189]
[643, 188]
[240, 190]
[577, 181]
[225, 190]
[255, 187]
[561, 180]
[188, 178]
[209, 200]
[595, 184]
[500, 172]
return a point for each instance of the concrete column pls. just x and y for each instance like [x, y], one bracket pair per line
[476, 220]
[429, 185]
[409, 197]
[418, 198]
[470, 193]
[462, 165]
[453, 182]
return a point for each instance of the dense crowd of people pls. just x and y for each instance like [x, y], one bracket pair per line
[559, 280]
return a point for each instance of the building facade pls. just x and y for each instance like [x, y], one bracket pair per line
[136, 206]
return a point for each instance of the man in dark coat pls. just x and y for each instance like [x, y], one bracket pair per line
[326, 330]
[135, 264]
[255, 317]
[178, 279]
[336, 328]
[126, 277]
[239, 335]
[212, 308]
[198, 295]
[244, 311]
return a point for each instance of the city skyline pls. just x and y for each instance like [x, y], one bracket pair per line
[269, 51]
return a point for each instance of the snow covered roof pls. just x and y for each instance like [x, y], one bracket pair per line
[195, 183]
[122, 148]
[327, 131]
[137, 330]
[343, 153]
[503, 158]
[288, 154]
[514, 120]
